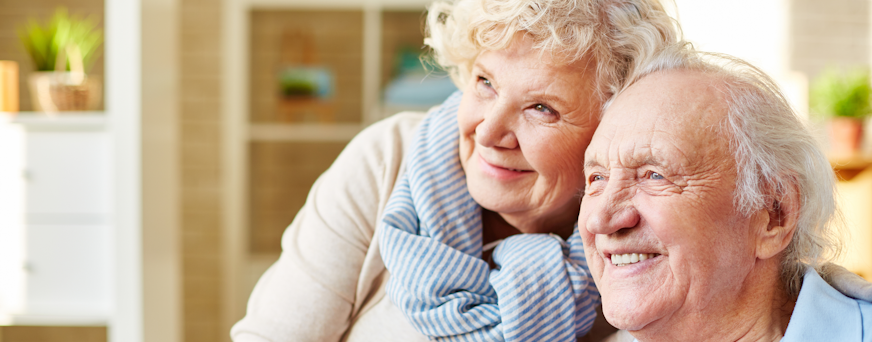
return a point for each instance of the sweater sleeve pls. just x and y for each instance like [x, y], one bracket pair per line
[309, 294]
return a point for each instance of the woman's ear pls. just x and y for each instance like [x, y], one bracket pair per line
[783, 213]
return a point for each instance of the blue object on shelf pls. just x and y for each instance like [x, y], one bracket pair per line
[306, 81]
[416, 89]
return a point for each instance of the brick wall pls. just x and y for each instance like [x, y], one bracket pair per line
[832, 32]
[281, 174]
[200, 118]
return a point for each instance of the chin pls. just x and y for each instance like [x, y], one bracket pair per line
[492, 198]
[622, 322]
[520, 222]
[626, 315]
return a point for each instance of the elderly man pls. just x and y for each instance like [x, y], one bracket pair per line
[707, 211]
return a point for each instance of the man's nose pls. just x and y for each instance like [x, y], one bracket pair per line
[613, 211]
[496, 129]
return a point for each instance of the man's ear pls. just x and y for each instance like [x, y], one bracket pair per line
[783, 213]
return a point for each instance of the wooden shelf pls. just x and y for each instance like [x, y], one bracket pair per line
[57, 121]
[89, 319]
[857, 162]
[847, 168]
[303, 132]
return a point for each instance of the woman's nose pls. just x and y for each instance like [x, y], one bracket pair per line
[611, 213]
[496, 127]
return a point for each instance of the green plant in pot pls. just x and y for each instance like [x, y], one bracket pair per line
[843, 98]
[60, 49]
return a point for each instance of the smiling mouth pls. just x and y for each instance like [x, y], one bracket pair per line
[505, 168]
[631, 258]
[501, 172]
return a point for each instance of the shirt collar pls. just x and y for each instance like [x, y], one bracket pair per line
[823, 314]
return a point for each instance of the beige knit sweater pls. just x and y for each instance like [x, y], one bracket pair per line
[328, 284]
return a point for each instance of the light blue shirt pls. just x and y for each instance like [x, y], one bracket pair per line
[824, 314]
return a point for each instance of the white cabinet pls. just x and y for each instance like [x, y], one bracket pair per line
[67, 175]
[67, 269]
[55, 220]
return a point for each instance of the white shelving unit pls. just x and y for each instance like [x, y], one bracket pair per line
[55, 186]
[70, 201]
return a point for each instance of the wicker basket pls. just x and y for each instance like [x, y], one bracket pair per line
[58, 91]
[53, 92]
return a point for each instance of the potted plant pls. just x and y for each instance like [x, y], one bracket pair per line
[60, 50]
[843, 98]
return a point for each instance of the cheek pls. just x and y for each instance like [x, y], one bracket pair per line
[470, 111]
[705, 250]
[466, 117]
[555, 157]
[590, 251]
[466, 123]
[589, 239]
[587, 204]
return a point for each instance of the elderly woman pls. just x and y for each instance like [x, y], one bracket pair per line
[708, 211]
[393, 243]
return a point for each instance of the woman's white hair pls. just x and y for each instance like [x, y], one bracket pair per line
[775, 153]
[615, 33]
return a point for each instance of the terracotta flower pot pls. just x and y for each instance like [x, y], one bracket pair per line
[845, 136]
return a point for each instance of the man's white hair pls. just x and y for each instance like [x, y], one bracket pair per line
[775, 153]
[614, 33]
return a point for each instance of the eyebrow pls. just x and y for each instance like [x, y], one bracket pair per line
[649, 160]
[590, 163]
[546, 98]
[551, 99]
[484, 70]
[652, 160]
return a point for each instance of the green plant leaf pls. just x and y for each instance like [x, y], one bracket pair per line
[43, 41]
[841, 93]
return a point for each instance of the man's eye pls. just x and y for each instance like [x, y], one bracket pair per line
[594, 178]
[655, 175]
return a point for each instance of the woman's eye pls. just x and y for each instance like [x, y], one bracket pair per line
[594, 178]
[655, 175]
[486, 82]
[542, 108]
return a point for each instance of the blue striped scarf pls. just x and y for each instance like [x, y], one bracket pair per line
[431, 243]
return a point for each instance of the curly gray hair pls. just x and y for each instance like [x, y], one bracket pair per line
[616, 33]
[775, 153]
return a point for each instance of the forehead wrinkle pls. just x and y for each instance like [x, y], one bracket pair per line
[669, 145]
[634, 150]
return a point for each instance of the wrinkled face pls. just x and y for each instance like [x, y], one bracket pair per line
[524, 125]
[662, 239]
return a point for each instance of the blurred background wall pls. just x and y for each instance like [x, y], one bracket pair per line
[231, 143]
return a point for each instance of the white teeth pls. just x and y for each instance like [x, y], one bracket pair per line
[631, 258]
